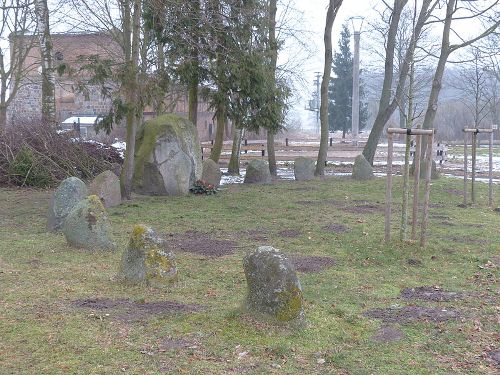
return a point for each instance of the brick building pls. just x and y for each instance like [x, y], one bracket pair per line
[67, 48]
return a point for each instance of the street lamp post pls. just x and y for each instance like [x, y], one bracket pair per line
[357, 23]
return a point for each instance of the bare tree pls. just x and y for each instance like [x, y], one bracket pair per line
[16, 23]
[333, 8]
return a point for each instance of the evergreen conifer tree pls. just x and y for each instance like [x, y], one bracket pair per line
[340, 88]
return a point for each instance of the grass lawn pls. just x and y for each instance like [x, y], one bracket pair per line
[62, 310]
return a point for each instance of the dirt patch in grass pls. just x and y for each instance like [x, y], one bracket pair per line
[308, 203]
[127, 310]
[467, 240]
[260, 235]
[437, 205]
[431, 293]
[388, 334]
[494, 356]
[456, 192]
[414, 262]
[34, 262]
[445, 223]
[289, 233]
[201, 243]
[337, 228]
[411, 314]
[169, 343]
[364, 208]
[311, 264]
[439, 217]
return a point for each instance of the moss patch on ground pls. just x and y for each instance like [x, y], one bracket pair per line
[43, 331]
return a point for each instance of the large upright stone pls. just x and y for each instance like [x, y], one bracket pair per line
[257, 173]
[273, 287]
[147, 259]
[303, 168]
[107, 187]
[87, 226]
[168, 156]
[211, 172]
[362, 170]
[71, 191]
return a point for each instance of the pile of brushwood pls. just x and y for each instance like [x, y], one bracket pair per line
[38, 156]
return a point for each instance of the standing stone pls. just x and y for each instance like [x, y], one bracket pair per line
[211, 172]
[87, 226]
[71, 191]
[147, 259]
[107, 187]
[303, 168]
[273, 287]
[168, 156]
[257, 173]
[362, 170]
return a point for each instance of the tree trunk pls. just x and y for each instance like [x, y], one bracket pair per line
[219, 133]
[193, 101]
[273, 51]
[323, 111]
[3, 118]
[234, 163]
[48, 79]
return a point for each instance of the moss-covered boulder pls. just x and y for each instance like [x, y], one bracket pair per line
[362, 170]
[274, 290]
[71, 191]
[168, 156]
[423, 170]
[87, 226]
[106, 186]
[211, 172]
[147, 259]
[257, 173]
[303, 168]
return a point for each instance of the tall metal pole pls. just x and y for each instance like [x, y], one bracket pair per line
[318, 97]
[355, 89]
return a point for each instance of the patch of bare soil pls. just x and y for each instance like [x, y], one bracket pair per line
[289, 233]
[308, 202]
[337, 228]
[437, 205]
[439, 217]
[364, 208]
[388, 334]
[414, 262]
[446, 223]
[201, 243]
[494, 356]
[127, 310]
[34, 262]
[467, 240]
[311, 264]
[431, 293]
[411, 314]
[169, 343]
[456, 192]
[259, 234]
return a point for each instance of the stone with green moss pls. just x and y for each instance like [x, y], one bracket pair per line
[147, 259]
[71, 191]
[274, 290]
[211, 172]
[168, 156]
[106, 186]
[303, 168]
[87, 226]
[362, 170]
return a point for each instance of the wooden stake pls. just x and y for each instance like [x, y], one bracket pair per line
[473, 178]
[404, 208]
[465, 168]
[388, 192]
[416, 186]
[490, 172]
[425, 218]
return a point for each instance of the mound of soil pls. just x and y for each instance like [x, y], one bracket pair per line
[311, 264]
[337, 228]
[388, 334]
[289, 233]
[365, 208]
[201, 243]
[467, 240]
[494, 355]
[259, 234]
[414, 262]
[411, 314]
[127, 310]
[430, 293]
[456, 192]
[169, 343]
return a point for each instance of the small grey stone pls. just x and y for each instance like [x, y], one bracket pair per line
[87, 226]
[211, 172]
[273, 287]
[257, 173]
[303, 168]
[107, 187]
[362, 170]
[71, 191]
